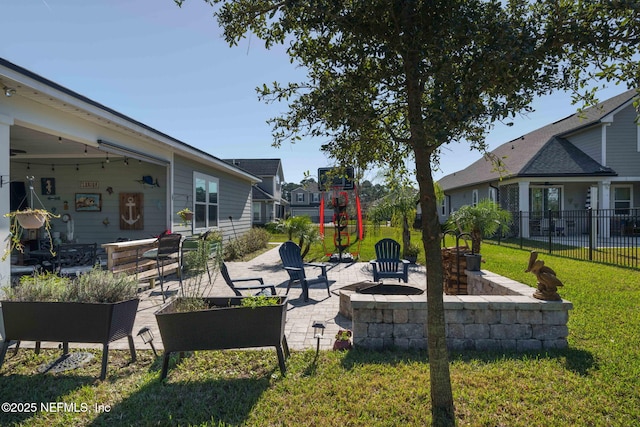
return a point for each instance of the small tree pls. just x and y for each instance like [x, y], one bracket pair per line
[484, 219]
[302, 228]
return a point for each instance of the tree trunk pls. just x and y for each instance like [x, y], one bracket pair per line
[442, 409]
[406, 235]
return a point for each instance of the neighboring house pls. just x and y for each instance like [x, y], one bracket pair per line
[589, 159]
[268, 203]
[137, 177]
[305, 201]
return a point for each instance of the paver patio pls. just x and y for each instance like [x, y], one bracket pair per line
[300, 315]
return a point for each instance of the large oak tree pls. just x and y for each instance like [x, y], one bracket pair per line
[389, 80]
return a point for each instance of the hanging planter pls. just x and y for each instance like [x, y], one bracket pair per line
[186, 215]
[28, 219]
[31, 220]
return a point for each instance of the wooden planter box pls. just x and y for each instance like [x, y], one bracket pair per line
[67, 322]
[225, 326]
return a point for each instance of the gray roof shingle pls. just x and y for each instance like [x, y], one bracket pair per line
[259, 167]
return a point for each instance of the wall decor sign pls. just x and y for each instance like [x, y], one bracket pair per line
[89, 185]
[48, 186]
[88, 202]
[131, 211]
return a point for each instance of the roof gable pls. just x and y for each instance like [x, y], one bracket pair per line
[559, 157]
[260, 167]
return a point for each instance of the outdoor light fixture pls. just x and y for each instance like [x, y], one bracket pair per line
[9, 91]
[147, 338]
[318, 332]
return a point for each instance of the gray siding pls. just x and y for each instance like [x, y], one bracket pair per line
[622, 144]
[590, 142]
[121, 178]
[234, 198]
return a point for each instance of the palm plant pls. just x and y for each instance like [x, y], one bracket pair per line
[484, 219]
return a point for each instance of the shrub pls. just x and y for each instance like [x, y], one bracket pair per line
[253, 240]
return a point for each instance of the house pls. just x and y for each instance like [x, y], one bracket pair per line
[268, 203]
[108, 176]
[588, 159]
[305, 201]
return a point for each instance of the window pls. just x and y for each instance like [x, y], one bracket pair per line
[300, 197]
[474, 197]
[256, 207]
[206, 201]
[315, 197]
[493, 195]
[622, 199]
[443, 207]
[544, 199]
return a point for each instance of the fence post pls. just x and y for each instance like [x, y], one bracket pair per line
[520, 228]
[550, 225]
[590, 228]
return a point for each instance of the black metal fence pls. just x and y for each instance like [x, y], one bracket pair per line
[609, 236]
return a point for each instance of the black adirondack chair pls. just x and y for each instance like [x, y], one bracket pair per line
[295, 266]
[388, 264]
[267, 290]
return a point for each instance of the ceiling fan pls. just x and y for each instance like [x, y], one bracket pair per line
[15, 151]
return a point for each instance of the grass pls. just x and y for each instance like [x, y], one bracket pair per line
[594, 382]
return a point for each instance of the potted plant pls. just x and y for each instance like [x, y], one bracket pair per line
[343, 340]
[186, 214]
[96, 307]
[484, 219]
[193, 321]
[411, 253]
[27, 219]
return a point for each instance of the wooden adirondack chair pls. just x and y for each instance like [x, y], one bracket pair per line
[388, 264]
[295, 266]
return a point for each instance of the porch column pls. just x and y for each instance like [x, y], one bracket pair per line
[5, 200]
[523, 206]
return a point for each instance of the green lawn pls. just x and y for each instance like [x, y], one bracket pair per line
[595, 382]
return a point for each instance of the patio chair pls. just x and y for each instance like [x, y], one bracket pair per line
[167, 253]
[193, 243]
[266, 290]
[295, 267]
[74, 259]
[388, 264]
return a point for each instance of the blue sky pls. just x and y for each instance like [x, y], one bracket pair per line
[169, 68]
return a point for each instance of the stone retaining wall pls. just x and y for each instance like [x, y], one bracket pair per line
[499, 314]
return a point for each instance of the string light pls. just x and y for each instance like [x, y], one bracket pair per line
[59, 140]
[77, 167]
[53, 168]
[28, 166]
[126, 161]
[85, 149]
[102, 163]
[107, 157]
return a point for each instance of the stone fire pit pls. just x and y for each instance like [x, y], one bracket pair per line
[371, 288]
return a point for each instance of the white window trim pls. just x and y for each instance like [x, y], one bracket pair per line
[300, 197]
[613, 196]
[493, 194]
[560, 186]
[207, 178]
[253, 212]
[474, 198]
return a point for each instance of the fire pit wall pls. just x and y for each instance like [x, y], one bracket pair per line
[498, 314]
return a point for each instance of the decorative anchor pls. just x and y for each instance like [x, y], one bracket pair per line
[130, 204]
